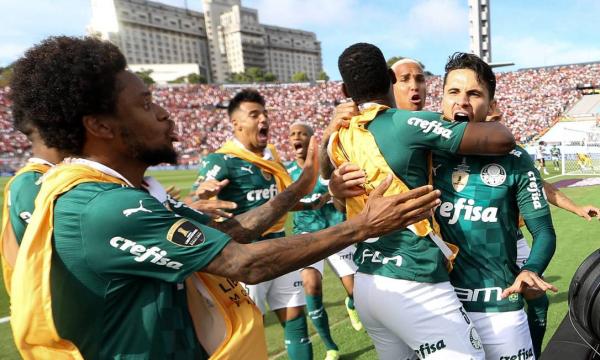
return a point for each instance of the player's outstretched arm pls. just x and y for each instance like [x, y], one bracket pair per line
[264, 260]
[558, 198]
[248, 226]
[486, 138]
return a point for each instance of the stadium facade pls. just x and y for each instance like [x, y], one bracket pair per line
[227, 38]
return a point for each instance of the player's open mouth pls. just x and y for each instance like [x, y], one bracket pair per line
[415, 99]
[298, 147]
[461, 116]
[263, 134]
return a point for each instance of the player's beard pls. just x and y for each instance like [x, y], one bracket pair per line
[149, 156]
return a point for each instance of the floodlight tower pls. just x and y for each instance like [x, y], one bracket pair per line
[480, 31]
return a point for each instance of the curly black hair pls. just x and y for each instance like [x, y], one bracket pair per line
[485, 74]
[62, 79]
[364, 72]
[246, 95]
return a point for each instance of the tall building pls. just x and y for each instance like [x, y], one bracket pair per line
[227, 38]
[479, 29]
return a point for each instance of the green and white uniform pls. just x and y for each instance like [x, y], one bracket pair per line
[120, 258]
[402, 290]
[314, 220]
[21, 198]
[482, 198]
[250, 187]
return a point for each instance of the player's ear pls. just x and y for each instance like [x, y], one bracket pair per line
[345, 91]
[393, 78]
[493, 107]
[99, 126]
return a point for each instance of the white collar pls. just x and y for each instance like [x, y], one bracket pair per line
[365, 106]
[36, 160]
[267, 154]
[100, 167]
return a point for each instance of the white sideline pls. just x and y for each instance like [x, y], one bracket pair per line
[4, 319]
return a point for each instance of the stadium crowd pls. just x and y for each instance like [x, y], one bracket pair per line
[530, 99]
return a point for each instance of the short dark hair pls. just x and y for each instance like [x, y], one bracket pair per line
[364, 72]
[484, 73]
[246, 95]
[61, 80]
[22, 123]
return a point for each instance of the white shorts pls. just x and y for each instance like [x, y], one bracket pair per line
[505, 335]
[523, 251]
[285, 291]
[341, 262]
[407, 318]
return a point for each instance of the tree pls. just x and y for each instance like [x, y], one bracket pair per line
[5, 75]
[270, 77]
[145, 76]
[194, 78]
[300, 77]
[323, 76]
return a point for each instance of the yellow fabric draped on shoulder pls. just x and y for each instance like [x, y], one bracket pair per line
[33, 326]
[273, 167]
[357, 145]
[227, 324]
[10, 246]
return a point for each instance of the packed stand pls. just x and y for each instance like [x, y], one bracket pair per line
[531, 100]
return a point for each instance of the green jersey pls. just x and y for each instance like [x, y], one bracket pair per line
[120, 258]
[308, 220]
[555, 151]
[482, 197]
[405, 139]
[248, 187]
[21, 201]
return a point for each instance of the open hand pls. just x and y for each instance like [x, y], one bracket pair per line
[209, 188]
[383, 214]
[526, 281]
[214, 208]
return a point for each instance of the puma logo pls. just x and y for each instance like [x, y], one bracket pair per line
[248, 169]
[434, 169]
[128, 212]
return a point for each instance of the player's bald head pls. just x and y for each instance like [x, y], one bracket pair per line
[309, 130]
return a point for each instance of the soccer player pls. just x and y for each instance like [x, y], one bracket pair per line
[402, 292]
[481, 199]
[101, 262]
[315, 220]
[19, 195]
[539, 155]
[555, 154]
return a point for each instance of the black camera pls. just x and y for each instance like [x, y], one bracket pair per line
[578, 336]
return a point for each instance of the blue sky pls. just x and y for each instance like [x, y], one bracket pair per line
[528, 33]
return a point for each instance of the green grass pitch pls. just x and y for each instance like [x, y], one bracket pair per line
[576, 239]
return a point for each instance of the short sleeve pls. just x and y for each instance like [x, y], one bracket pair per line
[128, 232]
[429, 130]
[531, 197]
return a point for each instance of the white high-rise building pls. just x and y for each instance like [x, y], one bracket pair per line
[227, 38]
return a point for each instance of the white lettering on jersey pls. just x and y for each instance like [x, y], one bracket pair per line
[212, 173]
[430, 126]
[482, 294]
[535, 192]
[128, 212]
[377, 258]
[25, 216]
[262, 194]
[516, 153]
[141, 253]
[472, 213]
[248, 169]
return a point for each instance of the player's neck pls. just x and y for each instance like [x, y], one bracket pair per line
[43, 152]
